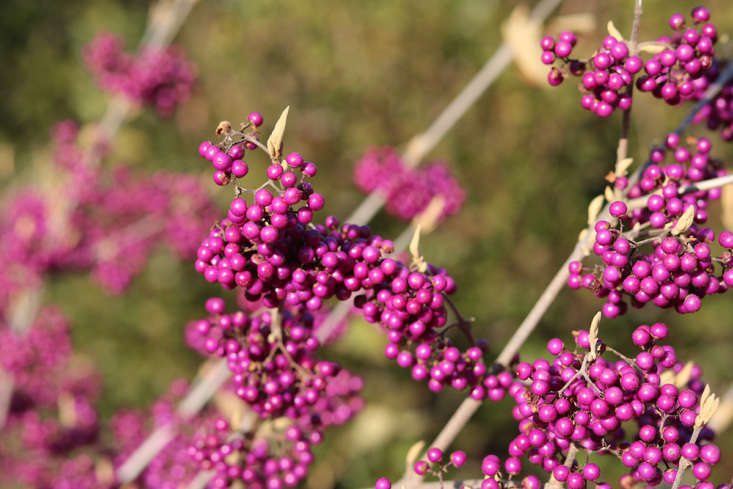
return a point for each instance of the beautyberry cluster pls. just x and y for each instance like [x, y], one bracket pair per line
[605, 78]
[408, 190]
[272, 358]
[686, 57]
[677, 268]
[162, 78]
[675, 72]
[588, 401]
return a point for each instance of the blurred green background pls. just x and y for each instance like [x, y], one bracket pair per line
[357, 74]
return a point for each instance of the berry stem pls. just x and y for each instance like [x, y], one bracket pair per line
[695, 187]
[684, 463]
[623, 143]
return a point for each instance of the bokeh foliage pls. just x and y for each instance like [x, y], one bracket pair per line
[356, 74]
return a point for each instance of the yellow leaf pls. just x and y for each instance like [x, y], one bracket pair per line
[413, 453]
[608, 194]
[726, 202]
[593, 334]
[522, 35]
[685, 221]
[427, 220]
[622, 166]
[652, 47]
[581, 23]
[275, 141]
[594, 208]
[613, 31]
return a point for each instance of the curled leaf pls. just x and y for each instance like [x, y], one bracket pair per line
[608, 194]
[427, 220]
[726, 202]
[522, 34]
[652, 47]
[275, 141]
[667, 377]
[613, 31]
[224, 127]
[683, 377]
[594, 208]
[67, 410]
[413, 453]
[593, 335]
[580, 23]
[417, 259]
[623, 166]
[708, 405]
[684, 222]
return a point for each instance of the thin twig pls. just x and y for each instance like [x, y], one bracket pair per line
[623, 142]
[640, 202]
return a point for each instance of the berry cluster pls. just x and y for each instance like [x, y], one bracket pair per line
[605, 78]
[272, 358]
[675, 72]
[105, 222]
[408, 190]
[679, 269]
[271, 249]
[586, 400]
[688, 55]
[279, 452]
[51, 412]
[161, 78]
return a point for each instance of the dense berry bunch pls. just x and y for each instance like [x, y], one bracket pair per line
[583, 398]
[34, 357]
[272, 358]
[276, 454]
[161, 78]
[675, 72]
[677, 268]
[408, 190]
[687, 56]
[605, 78]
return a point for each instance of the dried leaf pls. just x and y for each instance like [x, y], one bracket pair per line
[613, 31]
[667, 377]
[685, 221]
[652, 47]
[594, 208]
[581, 23]
[67, 410]
[683, 377]
[417, 259]
[583, 234]
[427, 220]
[522, 34]
[105, 471]
[275, 141]
[224, 127]
[593, 335]
[726, 202]
[623, 166]
[608, 194]
[415, 243]
[413, 453]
